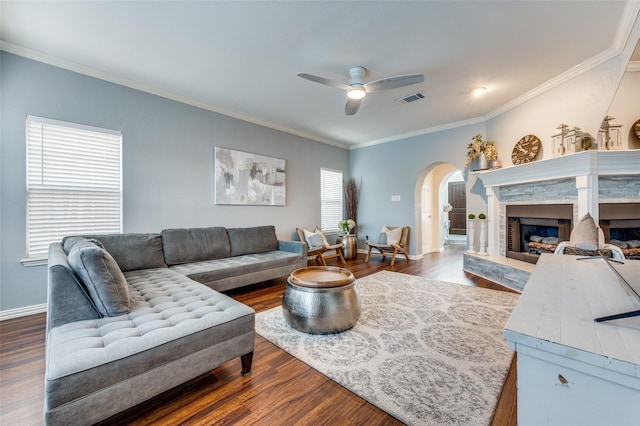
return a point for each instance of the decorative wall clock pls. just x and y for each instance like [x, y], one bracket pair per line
[636, 130]
[525, 150]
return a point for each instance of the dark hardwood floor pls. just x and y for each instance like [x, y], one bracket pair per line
[280, 389]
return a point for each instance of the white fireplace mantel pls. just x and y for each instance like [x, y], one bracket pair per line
[568, 166]
[584, 167]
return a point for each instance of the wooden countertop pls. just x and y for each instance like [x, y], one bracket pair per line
[556, 313]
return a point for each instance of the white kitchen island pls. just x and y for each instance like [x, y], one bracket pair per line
[572, 370]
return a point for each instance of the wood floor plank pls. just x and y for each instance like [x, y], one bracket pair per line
[280, 390]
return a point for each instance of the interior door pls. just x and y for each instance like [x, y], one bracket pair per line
[458, 200]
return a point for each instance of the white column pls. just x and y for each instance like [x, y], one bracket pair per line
[471, 234]
[493, 222]
[483, 237]
[587, 186]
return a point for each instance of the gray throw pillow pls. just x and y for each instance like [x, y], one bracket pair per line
[69, 242]
[103, 278]
[382, 239]
[315, 241]
[585, 234]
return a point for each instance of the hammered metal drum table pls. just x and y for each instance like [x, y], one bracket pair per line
[321, 300]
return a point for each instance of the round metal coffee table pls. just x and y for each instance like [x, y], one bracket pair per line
[321, 300]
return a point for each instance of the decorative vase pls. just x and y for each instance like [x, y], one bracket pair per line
[483, 237]
[482, 162]
[470, 236]
[350, 248]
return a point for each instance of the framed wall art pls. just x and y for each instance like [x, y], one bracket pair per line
[248, 179]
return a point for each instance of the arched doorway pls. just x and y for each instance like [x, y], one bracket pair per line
[431, 194]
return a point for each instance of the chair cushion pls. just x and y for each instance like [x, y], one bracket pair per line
[585, 234]
[102, 277]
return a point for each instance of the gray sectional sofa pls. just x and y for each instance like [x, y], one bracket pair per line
[133, 315]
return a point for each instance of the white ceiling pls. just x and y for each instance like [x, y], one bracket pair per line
[240, 58]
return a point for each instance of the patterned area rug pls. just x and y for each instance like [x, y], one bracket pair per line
[426, 352]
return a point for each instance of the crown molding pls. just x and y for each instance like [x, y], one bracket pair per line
[113, 78]
[628, 20]
[448, 126]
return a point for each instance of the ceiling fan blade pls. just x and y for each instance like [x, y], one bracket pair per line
[352, 106]
[394, 82]
[323, 80]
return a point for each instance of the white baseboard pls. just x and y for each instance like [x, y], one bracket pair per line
[22, 312]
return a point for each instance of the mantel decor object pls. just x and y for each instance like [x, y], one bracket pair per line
[610, 135]
[479, 153]
[636, 130]
[557, 140]
[525, 150]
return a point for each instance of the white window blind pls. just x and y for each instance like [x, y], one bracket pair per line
[330, 199]
[74, 182]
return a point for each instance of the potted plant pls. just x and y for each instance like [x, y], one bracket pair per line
[482, 216]
[347, 225]
[472, 216]
[481, 151]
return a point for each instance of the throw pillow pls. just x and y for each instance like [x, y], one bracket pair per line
[393, 235]
[324, 239]
[585, 234]
[103, 278]
[315, 239]
[382, 239]
[69, 242]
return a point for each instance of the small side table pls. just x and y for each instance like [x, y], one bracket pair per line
[321, 300]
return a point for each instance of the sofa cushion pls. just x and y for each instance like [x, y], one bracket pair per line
[133, 251]
[102, 277]
[214, 270]
[195, 244]
[258, 239]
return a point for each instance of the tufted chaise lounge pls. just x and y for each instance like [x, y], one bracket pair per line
[175, 330]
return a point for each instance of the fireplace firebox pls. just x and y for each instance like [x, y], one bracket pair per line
[620, 223]
[536, 229]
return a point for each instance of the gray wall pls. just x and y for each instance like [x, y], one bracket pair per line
[167, 162]
[399, 168]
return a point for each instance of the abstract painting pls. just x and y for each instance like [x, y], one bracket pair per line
[249, 179]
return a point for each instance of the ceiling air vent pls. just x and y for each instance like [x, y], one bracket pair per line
[412, 98]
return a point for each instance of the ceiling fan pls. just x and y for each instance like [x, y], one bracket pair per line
[357, 88]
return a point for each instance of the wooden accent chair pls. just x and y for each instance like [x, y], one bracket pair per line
[320, 250]
[383, 248]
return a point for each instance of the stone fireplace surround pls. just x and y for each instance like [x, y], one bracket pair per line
[583, 179]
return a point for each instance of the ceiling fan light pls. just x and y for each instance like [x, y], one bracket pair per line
[479, 91]
[356, 93]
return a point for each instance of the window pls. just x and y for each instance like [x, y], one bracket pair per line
[74, 182]
[330, 199]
